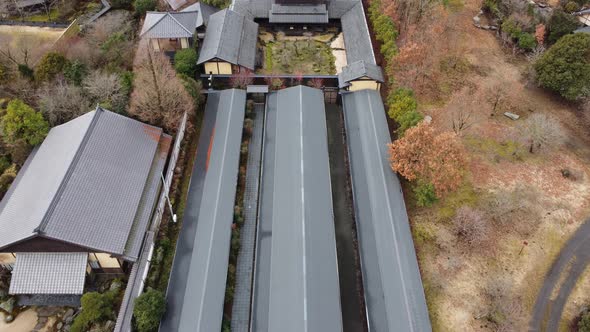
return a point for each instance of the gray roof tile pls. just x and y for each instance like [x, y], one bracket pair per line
[230, 37]
[204, 10]
[358, 70]
[357, 40]
[298, 14]
[49, 273]
[170, 25]
[85, 184]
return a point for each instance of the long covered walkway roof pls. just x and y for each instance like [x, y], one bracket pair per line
[394, 294]
[202, 309]
[296, 283]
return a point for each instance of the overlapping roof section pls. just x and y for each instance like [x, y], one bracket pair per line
[230, 37]
[298, 14]
[394, 294]
[204, 11]
[91, 184]
[357, 70]
[170, 25]
[49, 273]
[202, 309]
[296, 285]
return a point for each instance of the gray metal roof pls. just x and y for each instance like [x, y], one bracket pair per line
[584, 30]
[298, 14]
[296, 285]
[88, 184]
[357, 40]
[202, 308]
[204, 11]
[170, 25]
[49, 273]
[394, 294]
[175, 4]
[359, 69]
[230, 37]
[262, 8]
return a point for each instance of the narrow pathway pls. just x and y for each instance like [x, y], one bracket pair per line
[350, 293]
[240, 320]
[572, 261]
[185, 243]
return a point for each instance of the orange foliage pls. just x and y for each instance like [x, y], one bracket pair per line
[438, 158]
[540, 33]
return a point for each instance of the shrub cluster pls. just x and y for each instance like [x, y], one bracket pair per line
[402, 108]
[149, 309]
[384, 29]
[524, 40]
[96, 308]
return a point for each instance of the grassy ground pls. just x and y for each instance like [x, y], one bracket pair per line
[34, 40]
[306, 56]
[529, 208]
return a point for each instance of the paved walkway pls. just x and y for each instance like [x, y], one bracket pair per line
[561, 280]
[244, 269]
[185, 243]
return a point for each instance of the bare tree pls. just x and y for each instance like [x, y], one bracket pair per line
[103, 87]
[471, 226]
[541, 132]
[159, 97]
[461, 120]
[62, 102]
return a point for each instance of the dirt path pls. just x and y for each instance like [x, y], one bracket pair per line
[572, 260]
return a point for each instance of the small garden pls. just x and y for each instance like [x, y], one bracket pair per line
[297, 55]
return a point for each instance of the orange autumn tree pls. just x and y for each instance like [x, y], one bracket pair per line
[438, 158]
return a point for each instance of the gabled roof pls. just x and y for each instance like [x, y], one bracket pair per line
[296, 277]
[170, 25]
[202, 307]
[204, 11]
[264, 9]
[92, 183]
[230, 37]
[49, 273]
[359, 69]
[393, 290]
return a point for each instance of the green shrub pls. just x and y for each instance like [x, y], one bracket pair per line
[424, 193]
[185, 62]
[384, 28]
[401, 101]
[26, 71]
[407, 121]
[491, 6]
[561, 24]
[50, 65]
[149, 309]
[571, 7]
[120, 4]
[193, 87]
[96, 307]
[511, 28]
[75, 72]
[143, 6]
[22, 122]
[126, 79]
[527, 41]
[218, 3]
[8, 175]
[565, 67]
[584, 323]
